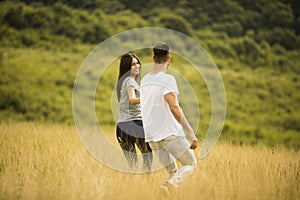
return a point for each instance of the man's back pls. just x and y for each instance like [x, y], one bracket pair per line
[159, 122]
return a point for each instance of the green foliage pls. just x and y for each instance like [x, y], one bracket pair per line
[249, 51]
[58, 20]
[36, 85]
[14, 16]
[262, 107]
[284, 37]
[165, 18]
[280, 15]
[92, 21]
[256, 46]
[233, 29]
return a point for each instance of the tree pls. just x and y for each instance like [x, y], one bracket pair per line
[15, 16]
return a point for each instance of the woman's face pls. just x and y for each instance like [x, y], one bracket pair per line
[135, 66]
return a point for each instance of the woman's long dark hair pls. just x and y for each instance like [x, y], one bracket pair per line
[124, 71]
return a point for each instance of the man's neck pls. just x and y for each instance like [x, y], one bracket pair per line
[159, 68]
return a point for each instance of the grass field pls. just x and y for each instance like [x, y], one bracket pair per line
[49, 162]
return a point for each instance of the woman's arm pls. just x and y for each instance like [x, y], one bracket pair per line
[131, 95]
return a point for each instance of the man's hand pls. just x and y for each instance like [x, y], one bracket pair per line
[194, 144]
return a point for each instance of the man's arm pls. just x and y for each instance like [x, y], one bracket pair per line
[171, 99]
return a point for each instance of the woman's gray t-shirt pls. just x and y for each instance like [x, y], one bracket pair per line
[129, 112]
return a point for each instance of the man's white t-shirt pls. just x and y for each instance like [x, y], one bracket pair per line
[159, 122]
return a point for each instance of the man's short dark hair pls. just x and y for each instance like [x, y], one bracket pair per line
[161, 52]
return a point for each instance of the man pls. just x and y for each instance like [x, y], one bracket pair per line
[164, 120]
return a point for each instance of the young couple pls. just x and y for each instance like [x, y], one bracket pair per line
[151, 118]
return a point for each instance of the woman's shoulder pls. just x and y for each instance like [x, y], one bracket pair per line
[129, 81]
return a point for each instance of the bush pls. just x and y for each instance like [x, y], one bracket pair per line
[176, 23]
[278, 14]
[167, 19]
[94, 34]
[284, 37]
[12, 99]
[233, 29]
[68, 27]
[15, 17]
[249, 51]
[221, 49]
[40, 18]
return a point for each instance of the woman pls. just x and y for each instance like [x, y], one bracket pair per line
[130, 130]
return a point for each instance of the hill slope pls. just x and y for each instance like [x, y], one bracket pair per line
[256, 46]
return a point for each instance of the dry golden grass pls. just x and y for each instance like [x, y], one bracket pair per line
[50, 162]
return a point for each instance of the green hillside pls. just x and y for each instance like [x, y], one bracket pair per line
[255, 45]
